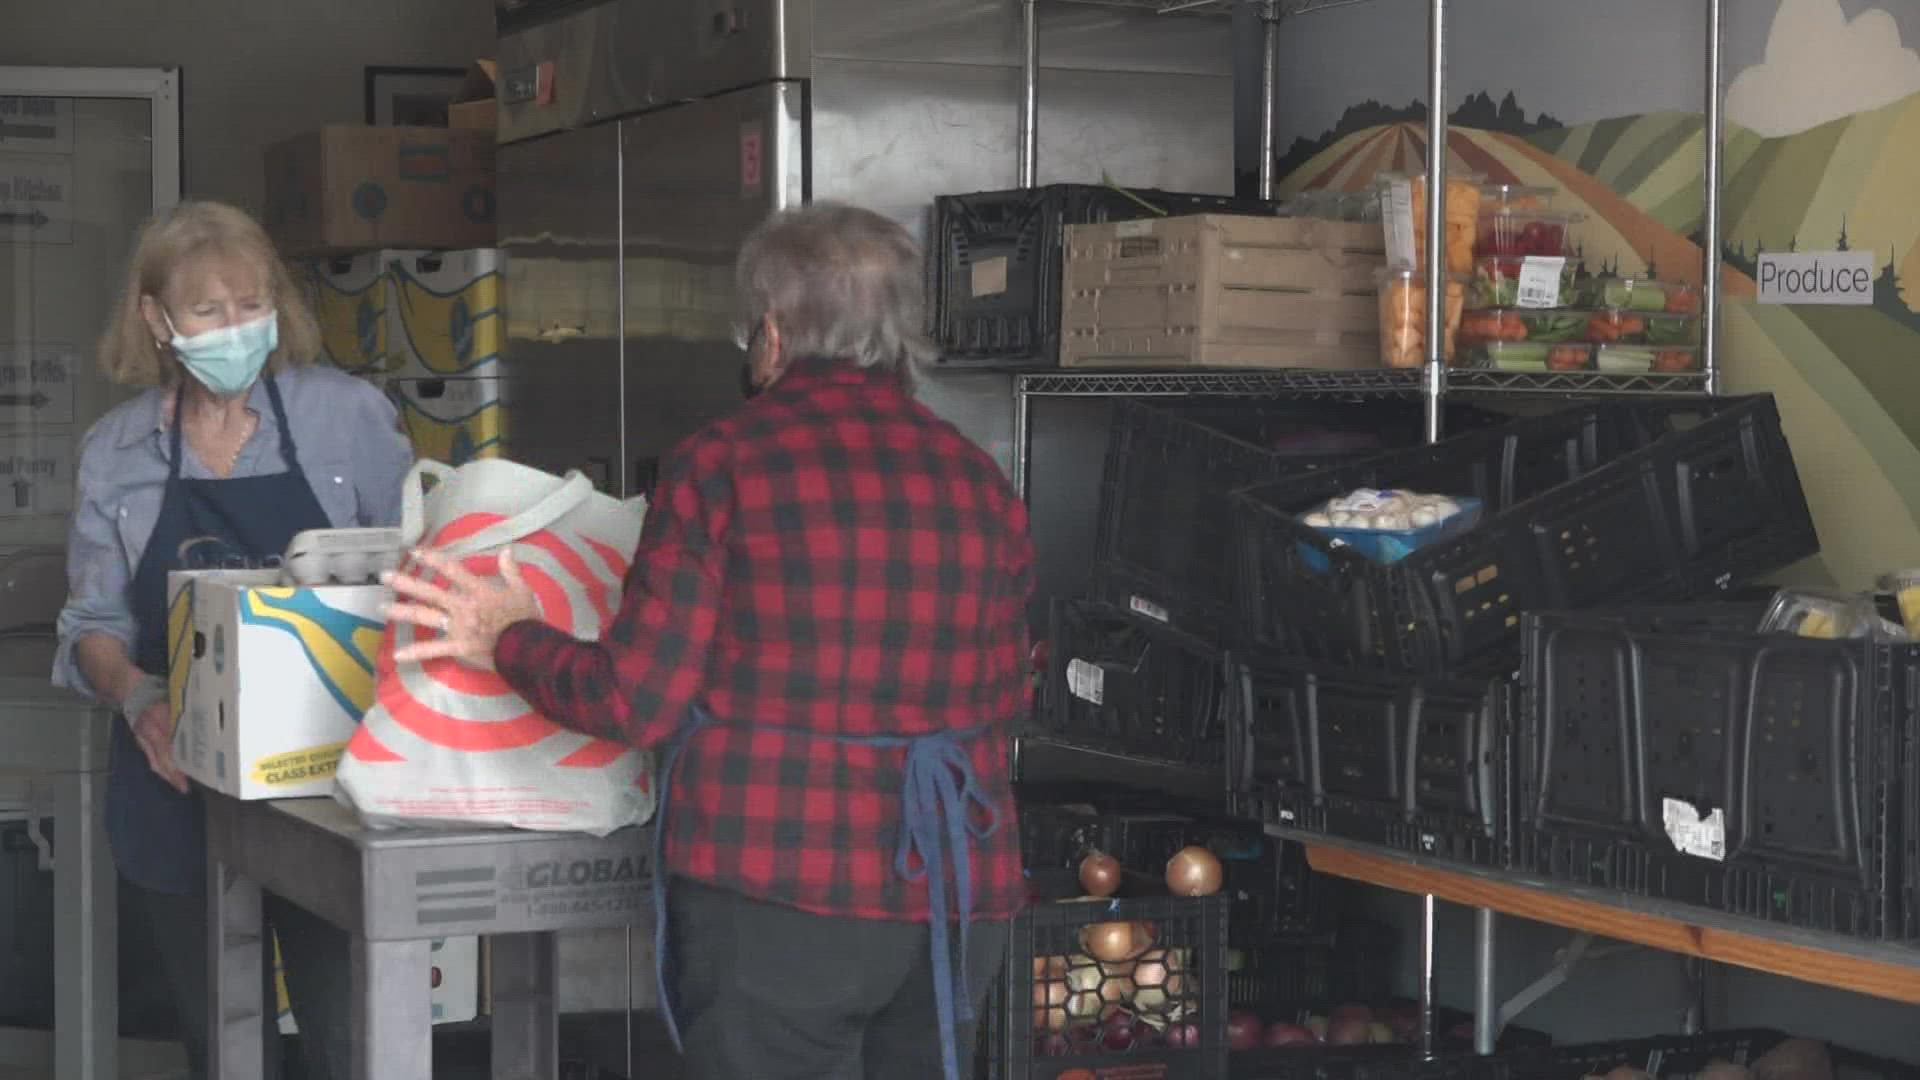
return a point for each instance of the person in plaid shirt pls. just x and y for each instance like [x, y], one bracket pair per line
[825, 628]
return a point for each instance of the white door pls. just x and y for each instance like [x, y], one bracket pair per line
[86, 155]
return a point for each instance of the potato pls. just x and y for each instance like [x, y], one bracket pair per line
[1795, 1059]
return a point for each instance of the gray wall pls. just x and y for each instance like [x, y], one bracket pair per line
[254, 71]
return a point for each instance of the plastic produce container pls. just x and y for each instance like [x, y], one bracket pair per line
[1635, 328]
[1402, 201]
[1645, 295]
[1827, 617]
[1496, 284]
[1517, 197]
[1403, 316]
[1617, 359]
[1392, 545]
[1905, 587]
[1530, 356]
[1509, 234]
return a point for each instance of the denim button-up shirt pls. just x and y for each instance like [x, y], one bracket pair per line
[347, 435]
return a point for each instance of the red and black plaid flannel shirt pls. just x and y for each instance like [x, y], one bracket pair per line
[831, 558]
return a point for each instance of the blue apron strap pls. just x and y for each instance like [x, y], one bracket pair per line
[697, 718]
[937, 800]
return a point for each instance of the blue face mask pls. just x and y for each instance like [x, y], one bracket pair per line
[228, 360]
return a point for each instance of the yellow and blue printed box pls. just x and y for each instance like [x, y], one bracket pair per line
[268, 681]
[352, 301]
[448, 312]
[453, 420]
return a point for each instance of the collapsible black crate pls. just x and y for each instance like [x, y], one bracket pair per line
[1267, 880]
[1179, 1036]
[1910, 808]
[994, 263]
[1575, 516]
[1758, 775]
[1415, 763]
[1163, 547]
[1671, 1056]
[1130, 702]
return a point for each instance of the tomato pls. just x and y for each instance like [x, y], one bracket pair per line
[1682, 300]
[1673, 360]
[1567, 358]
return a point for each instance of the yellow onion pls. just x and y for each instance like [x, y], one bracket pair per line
[1194, 871]
[1157, 980]
[1050, 1006]
[1113, 942]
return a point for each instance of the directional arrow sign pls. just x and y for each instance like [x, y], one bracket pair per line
[36, 385]
[36, 199]
[37, 471]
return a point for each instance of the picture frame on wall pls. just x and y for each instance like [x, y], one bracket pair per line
[411, 96]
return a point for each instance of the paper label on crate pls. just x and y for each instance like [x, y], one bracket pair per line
[989, 277]
[1088, 682]
[1396, 217]
[299, 766]
[1540, 281]
[1131, 230]
[1143, 606]
[1692, 834]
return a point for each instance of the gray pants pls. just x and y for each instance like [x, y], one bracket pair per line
[319, 975]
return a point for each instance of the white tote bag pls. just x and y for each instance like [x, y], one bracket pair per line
[449, 744]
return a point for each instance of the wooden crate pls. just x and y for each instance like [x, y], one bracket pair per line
[1222, 291]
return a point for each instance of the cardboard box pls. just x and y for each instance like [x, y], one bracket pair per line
[268, 682]
[476, 107]
[352, 301]
[351, 189]
[449, 316]
[1221, 291]
[453, 980]
[453, 420]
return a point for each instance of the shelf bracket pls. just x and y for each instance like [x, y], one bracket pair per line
[1580, 949]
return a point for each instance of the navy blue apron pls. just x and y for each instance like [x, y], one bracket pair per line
[940, 788]
[157, 835]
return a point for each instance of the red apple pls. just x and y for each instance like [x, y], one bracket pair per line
[1284, 1034]
[1243, 1030]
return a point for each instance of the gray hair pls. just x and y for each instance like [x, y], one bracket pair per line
[841, 283]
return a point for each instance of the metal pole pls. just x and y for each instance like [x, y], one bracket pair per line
[1269, 76]
[1710, 353]
[1426, 974]
[1030, 95]
[1486, 1011]
[1022, 434]
[1436, 215]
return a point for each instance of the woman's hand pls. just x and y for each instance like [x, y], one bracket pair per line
[468, 612]
[153, 730]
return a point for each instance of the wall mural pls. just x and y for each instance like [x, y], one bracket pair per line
[1602, 101]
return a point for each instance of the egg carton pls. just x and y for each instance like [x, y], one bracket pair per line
[341, 556]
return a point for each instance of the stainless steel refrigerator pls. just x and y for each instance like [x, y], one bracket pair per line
[642, 140]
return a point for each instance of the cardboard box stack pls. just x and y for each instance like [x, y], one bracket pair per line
[392, 233]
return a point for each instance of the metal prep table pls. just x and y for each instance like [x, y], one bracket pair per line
[57, 742]
[394, 891]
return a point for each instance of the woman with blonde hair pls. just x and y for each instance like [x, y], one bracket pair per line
[238, 443]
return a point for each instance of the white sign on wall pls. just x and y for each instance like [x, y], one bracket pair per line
[1816, 277]
[36, 385]
[36, 199]
[36, 125]
[36, 475]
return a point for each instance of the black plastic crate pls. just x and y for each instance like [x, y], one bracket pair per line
[1163, 546]
[1575, 517]
[1910, 809]
[994, 263]
[1127, 701]
[1271, 888]
[1628, 732]
[1022, 1043]
[1414, 763]
[1677, 1056]
[1453, 1039]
